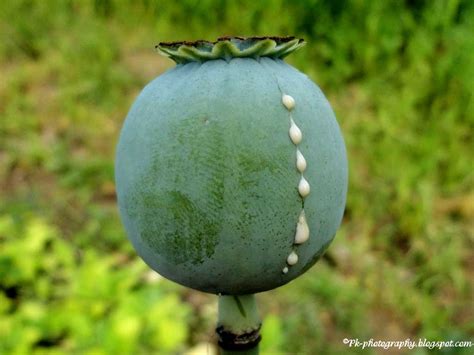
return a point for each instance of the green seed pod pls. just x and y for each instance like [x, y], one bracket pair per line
[231, 170]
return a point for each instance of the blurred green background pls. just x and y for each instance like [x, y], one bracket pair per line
[400, 77]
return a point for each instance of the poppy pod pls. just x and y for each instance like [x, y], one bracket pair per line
[231, 170]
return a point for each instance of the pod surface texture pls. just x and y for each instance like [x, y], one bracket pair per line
[206, 174]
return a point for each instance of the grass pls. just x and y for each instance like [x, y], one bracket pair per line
[399, 76]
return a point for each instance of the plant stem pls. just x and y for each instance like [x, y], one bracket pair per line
[238, 325]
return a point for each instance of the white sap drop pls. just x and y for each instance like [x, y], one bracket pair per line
[292, 258]
[302, 229]
[300, 161]
[303, 187]
[295, 133]
[288, 102]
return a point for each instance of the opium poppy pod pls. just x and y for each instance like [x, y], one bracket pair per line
[231, 170]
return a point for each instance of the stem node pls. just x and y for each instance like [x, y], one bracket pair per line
[238, 326]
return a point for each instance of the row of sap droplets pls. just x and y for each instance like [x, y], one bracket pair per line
[302, 229]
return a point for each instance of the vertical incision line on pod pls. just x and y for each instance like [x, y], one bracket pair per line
[296, 136]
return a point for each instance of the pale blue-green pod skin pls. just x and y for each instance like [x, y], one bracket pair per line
[206, 176]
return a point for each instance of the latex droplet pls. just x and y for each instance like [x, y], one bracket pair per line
[288, 102]
[300, 161]
[295, 133]
[292, 258]
[303, 187]
[302, 229]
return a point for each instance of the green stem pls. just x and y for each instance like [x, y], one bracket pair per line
[238, 325]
